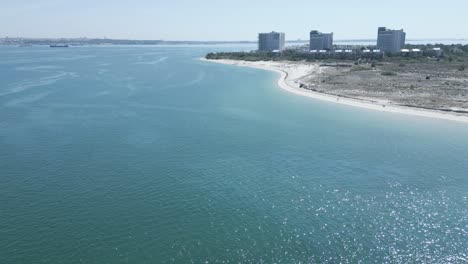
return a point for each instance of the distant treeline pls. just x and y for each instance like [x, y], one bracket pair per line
[254, 56]
[448, 51]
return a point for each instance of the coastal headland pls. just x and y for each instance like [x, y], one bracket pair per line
[413, 88]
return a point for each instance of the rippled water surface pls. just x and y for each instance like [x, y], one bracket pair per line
[149, 155]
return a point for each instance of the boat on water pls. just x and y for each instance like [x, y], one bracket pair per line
[59, 46]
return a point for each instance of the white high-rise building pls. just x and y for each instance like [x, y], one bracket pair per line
[390, 40]
[271, 41]
[320, 41]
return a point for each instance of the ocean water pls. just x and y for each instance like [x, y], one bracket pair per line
[149, 155]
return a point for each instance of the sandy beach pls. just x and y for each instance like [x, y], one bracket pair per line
[292, 73]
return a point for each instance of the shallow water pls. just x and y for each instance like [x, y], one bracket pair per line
[148, 155]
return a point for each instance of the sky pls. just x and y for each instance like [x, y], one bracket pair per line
[230, 20]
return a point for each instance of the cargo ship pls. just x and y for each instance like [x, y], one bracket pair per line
[59, 46]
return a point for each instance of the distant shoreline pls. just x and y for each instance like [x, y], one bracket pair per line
[12, 41]
[286, 82]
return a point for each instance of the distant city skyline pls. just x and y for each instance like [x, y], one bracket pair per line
[229, 20]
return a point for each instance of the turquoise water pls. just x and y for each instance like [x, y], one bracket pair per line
[149, 155]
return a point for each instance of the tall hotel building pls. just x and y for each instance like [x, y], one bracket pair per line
[390, 40]
[271, 41]
[321, 41]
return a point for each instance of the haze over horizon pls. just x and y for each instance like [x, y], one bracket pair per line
[227, 20]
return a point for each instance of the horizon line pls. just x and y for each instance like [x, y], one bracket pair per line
[163, 40]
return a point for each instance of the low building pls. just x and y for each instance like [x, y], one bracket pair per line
[370, 54]
[320, 41]
[273, 41]
[435, 52]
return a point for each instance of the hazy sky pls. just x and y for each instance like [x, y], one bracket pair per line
[230, 19]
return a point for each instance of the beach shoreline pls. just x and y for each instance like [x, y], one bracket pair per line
[289, 75]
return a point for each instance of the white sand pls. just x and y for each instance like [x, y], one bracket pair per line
[291, 72]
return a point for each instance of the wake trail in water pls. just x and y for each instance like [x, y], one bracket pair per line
[199, 78]
[153, 62]
[27, 99]
[43, 81]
